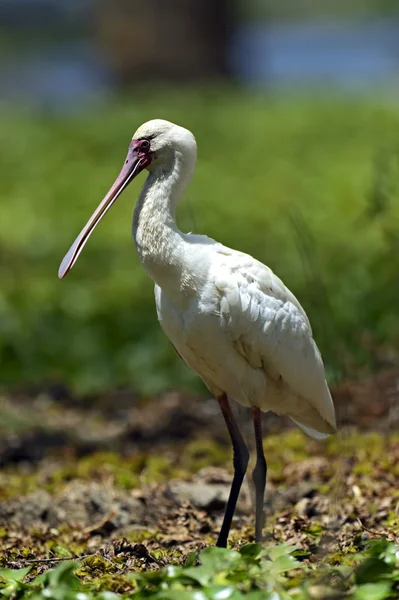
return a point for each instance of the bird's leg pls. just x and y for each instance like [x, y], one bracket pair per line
[240, 461]
[259, 474]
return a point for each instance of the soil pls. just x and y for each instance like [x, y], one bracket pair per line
[147, 480]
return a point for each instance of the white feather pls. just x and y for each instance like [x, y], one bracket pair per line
[228, 316]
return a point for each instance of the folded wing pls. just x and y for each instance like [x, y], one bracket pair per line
[268, 326]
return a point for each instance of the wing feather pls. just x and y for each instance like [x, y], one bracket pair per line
[269, 327]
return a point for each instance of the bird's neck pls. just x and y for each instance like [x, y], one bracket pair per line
[159, 242]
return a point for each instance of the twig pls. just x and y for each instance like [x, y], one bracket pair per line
[376, 533]
[58, 558]
[78, 558]
[99, 524]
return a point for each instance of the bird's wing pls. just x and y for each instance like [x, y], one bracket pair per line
[269, 327]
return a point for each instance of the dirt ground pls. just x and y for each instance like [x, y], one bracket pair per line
[147, 480]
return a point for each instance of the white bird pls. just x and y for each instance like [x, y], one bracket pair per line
[229, 317]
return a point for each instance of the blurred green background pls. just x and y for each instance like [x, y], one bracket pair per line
[298, 166]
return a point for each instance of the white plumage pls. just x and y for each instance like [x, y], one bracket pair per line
[245, 334]
[229, 317]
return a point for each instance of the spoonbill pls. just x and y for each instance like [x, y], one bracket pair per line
[229, 317]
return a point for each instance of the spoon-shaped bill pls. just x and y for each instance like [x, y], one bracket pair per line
[134, 164]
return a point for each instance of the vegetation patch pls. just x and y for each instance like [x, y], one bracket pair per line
[313, 181]
[254, 571]
[134, 529]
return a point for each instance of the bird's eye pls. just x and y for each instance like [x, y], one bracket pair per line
[145, 145]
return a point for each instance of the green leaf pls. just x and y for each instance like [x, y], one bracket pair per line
[14, 574]
[371, 570]
[283, 564]
[201, 574]
[62, 552]
[274, 552]
[218, 556]
[373, 591]
[107, 596]
[378, 547]
[191, 559]
[251, 551]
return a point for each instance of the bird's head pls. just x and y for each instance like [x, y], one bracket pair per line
[157, 143]
[160, 142]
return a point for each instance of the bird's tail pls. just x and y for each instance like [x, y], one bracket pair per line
[312, 432]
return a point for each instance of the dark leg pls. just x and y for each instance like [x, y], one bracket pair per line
[259, 474]
[240, 461]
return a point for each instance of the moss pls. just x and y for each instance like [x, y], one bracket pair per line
[368, 452]
[392, 520]
[202, 453]
[14, 484]
[315, 529]
[318, 543]
[141, 535]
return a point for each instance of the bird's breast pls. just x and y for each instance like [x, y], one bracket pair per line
[200, 341]
[189, 323]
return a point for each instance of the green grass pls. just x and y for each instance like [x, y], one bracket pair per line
[253, 572]
[309, 186]
[346, 547]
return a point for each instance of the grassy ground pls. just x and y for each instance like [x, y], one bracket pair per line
[132, 504]
[307, 185]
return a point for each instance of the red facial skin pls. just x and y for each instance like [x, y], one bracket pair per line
[140, 150]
